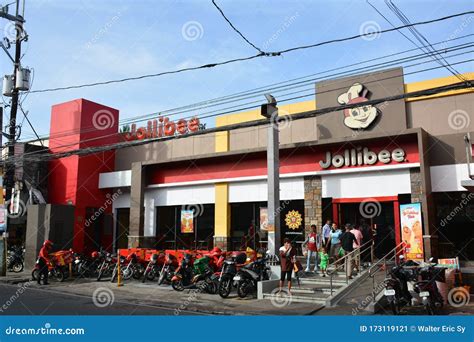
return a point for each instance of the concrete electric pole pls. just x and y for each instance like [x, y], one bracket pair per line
[270, 111]
[9, 168]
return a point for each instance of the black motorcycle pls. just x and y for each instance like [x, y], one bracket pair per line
[152, 269]
[229, 270]
[15, 259]
[428, 290]
[106, 266]
[248, 277]
[396, 285]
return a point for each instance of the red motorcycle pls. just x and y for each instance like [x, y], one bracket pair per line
[56, 270]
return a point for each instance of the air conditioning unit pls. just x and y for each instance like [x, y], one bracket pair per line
[7, 85]
[22, 81]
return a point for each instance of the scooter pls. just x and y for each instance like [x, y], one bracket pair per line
[248, 276]
[198, 275]
[396, 286]
[427, 288]
[229, 270]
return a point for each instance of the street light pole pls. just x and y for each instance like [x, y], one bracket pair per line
[270, 111]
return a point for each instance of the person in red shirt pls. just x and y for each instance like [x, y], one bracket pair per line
[43, 261]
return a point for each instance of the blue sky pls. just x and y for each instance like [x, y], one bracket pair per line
[73, 42]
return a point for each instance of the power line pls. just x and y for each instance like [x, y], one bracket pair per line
[272, 54]
[257, 92]
[308, 114]
[236, 30]
[418, 36]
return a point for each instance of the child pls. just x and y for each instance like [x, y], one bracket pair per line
[324, 259]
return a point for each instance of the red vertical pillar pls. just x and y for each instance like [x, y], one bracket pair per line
[335, 213]
[396, 216]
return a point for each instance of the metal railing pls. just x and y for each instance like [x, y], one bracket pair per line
[345, 262]
[382, 264]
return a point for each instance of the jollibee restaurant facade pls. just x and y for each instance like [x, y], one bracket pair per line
[367, 165]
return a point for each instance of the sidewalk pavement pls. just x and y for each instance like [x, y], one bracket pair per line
[164, 296]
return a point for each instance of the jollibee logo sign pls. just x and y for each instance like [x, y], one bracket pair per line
[359, 117]
[162, 127]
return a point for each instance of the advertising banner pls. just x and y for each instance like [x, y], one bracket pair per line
[412, 230]
[263, 219]
[187, 221]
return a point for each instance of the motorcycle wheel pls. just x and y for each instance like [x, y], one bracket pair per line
[162, 277]
[150, 275]
[177, 285]
[17, 267]
[212, 287]
[243, 288]
[100, 274]
[395, 308]
[138, 271]
[225, 286]
[35, 274]
[126, 273]
[59, 275]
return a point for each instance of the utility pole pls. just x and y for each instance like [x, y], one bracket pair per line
[10, 168]
[270, 111]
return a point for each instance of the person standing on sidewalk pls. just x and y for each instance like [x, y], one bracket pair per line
[358, 243]
[43, 261]
[334, 241]
[326, 233]
[312, 243]
[347, 243]
[287, 262]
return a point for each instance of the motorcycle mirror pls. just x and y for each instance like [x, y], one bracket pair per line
[431, 259]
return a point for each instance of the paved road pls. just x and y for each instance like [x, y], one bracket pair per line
[44, 301]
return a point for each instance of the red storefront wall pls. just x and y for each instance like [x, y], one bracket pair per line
[79, 124]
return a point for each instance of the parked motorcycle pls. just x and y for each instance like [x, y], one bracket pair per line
[152, 269]
[106, 266]
[130, 266]
[427, 288]
[167, 270]
[195, 275]
[229, 270]
[15, 259]
[56, 271]
[396, 285]
[248, 276]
